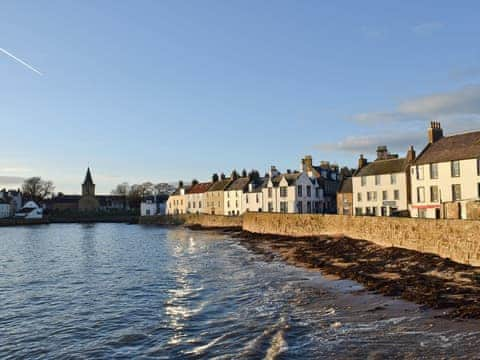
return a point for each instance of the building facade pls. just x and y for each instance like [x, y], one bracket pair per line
[177, 203]
[234, 196]
[446, 175]
[253, 196]
[345, 197]
[382, 187]
[215, 197]
[196, 198]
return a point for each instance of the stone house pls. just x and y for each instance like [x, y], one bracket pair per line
[215, 197]
[196, 198]
[382, 187]
[445, 177]
[345, 197]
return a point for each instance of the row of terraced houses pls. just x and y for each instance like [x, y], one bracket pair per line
[311, 189]
[442, 181]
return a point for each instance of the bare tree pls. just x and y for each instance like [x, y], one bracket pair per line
[121, 189]
[37, 189]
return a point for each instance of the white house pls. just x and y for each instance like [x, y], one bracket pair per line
[234, 198]
[292, 193]
[446, 172]
[154, 205]
[382, 187]
[195, 198]
[5, 209]
[253, 196]
[30, 211]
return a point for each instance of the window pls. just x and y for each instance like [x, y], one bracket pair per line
[309, 190]
[269, 192]
[299, 207]
[421, 194]
[384, 195]
[433, 171]
[478, 167]
[246, 199]
[369, 196]
[478, 190]
[283, 206]
[359, 197]
[396, 195]
[228, 203]
[299, 190]
[283, 191]
[393, 179]
[372, 196]
[270, 206]
[358, 211]
[456, 192]
[419, 172]
[236, 203]
[422, 213]
[364, 180]
[455, 165]
[433, 193]
[377, 179]
[256, 197]
[309, 207]
[199, 204]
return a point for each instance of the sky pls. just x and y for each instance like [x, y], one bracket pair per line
[167, 90]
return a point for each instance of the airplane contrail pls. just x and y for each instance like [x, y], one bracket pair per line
[20, 61]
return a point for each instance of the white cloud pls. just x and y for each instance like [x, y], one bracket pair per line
[447, 105]
[11, 180]
[428, 28]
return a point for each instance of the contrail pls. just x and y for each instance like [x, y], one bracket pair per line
[20, 61]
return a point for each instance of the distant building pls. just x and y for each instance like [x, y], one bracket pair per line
[177, 202]
[13, 198]
[88, 201]
[345, 197]
[328, 179]
[446, 175]
[196, 198]
[382, 187]
[30, 211]
[253, 196]
[233, 196]
[215, 197]
[154, 205]
[5, 209]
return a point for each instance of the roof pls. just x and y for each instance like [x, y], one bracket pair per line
[380, 167]
[346, 186]
[259, 184]
[88, 177]
[177, 190]
[449, 148]
[220, 185]
[291, 178]
[199, 188]
[239, 184]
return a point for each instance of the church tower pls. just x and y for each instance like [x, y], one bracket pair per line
[88, 187]
[88, 201]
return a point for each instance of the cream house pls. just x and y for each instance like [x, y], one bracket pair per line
[176, 203]
[233, 196]
[215, 197]
[446, 175]
[382, 187]
[195, 198]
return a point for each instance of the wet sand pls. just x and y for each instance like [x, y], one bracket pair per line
[424, 279]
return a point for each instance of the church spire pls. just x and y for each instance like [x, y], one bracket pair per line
[88, 187]
[88, 177]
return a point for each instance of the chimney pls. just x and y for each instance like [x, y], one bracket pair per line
[273, 171]
[435, 132]
[382, 152]
[307, 163]
[362, 161]
[411, 154]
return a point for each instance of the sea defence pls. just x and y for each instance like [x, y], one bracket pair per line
[458, 240]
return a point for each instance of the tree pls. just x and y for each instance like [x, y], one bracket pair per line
[234, 175]
[194, 182]
[222, 176]
[121, 189]
[36, 189]
[244, 173]
[254, 175]
[180, 184]
[215, 177]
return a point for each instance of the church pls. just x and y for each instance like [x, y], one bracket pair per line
[88, 201]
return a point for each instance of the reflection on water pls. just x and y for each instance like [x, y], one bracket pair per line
[114, 290]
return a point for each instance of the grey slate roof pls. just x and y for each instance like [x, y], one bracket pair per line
[449, 148]
[380, 167]
[346, 186]
[239, 184]
[220, 185]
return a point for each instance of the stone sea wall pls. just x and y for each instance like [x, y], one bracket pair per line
[207, 221]
[458, 240]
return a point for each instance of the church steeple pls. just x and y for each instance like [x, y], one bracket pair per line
[88, 187]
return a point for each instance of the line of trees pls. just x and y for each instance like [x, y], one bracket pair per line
[37, 189]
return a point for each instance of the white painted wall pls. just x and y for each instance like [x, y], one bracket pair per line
[233, 200]
[468, 180]
[384, 185]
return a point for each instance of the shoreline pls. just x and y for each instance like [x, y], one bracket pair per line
[421, 278]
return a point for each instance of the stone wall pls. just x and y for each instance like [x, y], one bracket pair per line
[207, 221]
[458, 240]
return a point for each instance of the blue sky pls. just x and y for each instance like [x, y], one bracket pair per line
[168, 90]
